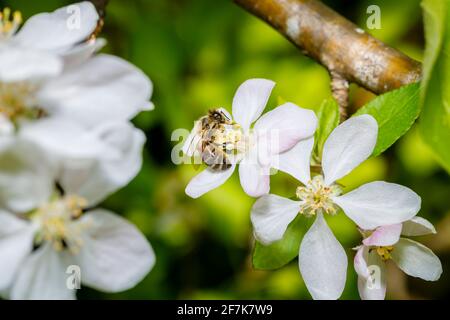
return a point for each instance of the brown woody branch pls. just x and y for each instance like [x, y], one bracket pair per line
[349, 53]
[101, 6]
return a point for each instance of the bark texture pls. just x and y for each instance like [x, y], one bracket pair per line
[343, 48]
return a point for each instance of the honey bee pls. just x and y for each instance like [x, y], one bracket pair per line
[214, 143]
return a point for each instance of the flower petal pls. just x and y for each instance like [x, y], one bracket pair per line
[384, 236]
[17, 65]
[42, 276]
[207, 180]
[271, 215]
[379, 203]
[285, 126]
[26, 178]
[417, 226]
[82, 52]
[417, 260]
[116, 255]
[322, 262]
[360, 262]
[73, 94]
[16, 243]
[250, 100]
[348, 145]
[296, 161]
[60, 29]
[96, 177]
[374, 286]
[255, 178]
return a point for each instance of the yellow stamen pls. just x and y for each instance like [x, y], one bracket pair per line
[385, 252]
[9, 24]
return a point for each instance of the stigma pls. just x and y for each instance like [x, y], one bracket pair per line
[9, 23]
[317, 197]
[56, 223]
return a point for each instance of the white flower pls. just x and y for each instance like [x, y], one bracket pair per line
[44, 229]
[385, 243]
[68, 32]
[275, 132]
[322, 260]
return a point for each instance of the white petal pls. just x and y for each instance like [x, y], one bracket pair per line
[285, 126]
[417, 260]
[255, 179]
[82, 52]
[96, 177]
[84, 94]
[207, 180]
[42, 276]
[116, 256]
[18, 64]
[379, 203]
[360, 262]
[193, 141]
[16, 243]
[250, 100]
[60, 29]
[322, 262]
[296, 161]
[417, 226]
[271, 215]
[384, 236]
[26, 178]
[373, 287]
[348, 145]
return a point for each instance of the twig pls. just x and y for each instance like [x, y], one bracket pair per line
[349, 53]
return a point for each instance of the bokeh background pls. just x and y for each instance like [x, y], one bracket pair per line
[197, 52]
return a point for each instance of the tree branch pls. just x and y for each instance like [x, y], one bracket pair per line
[349, 53]
[101, 7]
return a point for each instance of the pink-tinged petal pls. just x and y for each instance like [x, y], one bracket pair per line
[207, 180]
[285, 126]
[271, 215]
[360, 262]
[348, 146]
[250, 100]
[384, 236]
[255, 179]
[417, 260]
[296, 161]
[374, 286]
[417, 226]
[379, 203]
[322, 262]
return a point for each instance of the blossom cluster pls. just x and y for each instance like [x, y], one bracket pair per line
[66, 143]
[382, 211]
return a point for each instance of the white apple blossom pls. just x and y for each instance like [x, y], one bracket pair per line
[322, 260]
[385, 243]
[275, 132]
[44, 229]
[67, 32]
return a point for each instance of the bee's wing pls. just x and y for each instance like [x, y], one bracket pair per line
[192, 142]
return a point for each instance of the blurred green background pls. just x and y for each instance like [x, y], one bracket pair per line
[197, 52]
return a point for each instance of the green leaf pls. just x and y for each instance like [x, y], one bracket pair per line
[395, 112]
[282, 252]
[435, 93]
[328, 119]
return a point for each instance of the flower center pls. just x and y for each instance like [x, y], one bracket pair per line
[384, 252]
[56, 225]
[9, 23]
[318, 197]
[17, 100]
